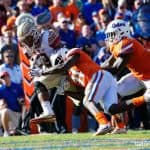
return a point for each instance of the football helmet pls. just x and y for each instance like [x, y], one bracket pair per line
[28, 35]
[117, 30]
[25, 17]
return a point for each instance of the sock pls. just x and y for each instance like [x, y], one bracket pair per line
[119, 121]
[138, 101]
[47, 110]
[101, 118]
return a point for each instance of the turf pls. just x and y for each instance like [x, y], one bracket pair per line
[133, 140]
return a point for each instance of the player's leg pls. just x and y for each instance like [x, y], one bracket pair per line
[93, 93]
[43, 97]
[110, 97]
[129, 85]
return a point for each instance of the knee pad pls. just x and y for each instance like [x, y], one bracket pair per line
[39, 87]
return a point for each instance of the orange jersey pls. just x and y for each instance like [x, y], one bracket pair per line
[55, 10]
[82, 72]
[139, 62]
[72, 9]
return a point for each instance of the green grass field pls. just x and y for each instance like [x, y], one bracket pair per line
[133, 140]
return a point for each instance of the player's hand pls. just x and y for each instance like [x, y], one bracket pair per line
[37, 72]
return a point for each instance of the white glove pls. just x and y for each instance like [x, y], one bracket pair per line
[36, 72]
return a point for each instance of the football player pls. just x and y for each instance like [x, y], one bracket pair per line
[100, 86]
[128, 52]
[38, 45]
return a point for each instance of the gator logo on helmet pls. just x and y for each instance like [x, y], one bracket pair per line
[115, 25]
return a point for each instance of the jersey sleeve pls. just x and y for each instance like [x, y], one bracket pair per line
[126, 47]
[72, 52]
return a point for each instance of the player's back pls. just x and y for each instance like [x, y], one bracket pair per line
[85, 67]
[139, 60]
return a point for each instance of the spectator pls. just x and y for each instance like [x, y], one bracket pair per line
[88, 8]
[11, 23]
[23, 6]
[57, 8]
[7, 4]
[122, 11]
[140, 24]
[3, 16]
[78, 23]
[67, 35]
[95, 25]
[109, 7]
[72, 10]
[87, 40]
[39, 7]
[11, 96]
[8, 41]
[56, 23]
[104, 19]
[137, 4]
[11, 67]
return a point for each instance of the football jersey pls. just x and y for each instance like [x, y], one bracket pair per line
[82, 72]
[44, 46]
[139, 61]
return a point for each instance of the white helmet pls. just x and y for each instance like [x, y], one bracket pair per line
[116, 30]
[58, 57]
[25, 17]
[27, 31]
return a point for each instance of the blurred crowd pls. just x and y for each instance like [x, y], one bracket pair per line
[80, 23]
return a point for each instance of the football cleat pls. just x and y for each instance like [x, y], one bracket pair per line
[103, 129]
[43, 118]
[119, 131]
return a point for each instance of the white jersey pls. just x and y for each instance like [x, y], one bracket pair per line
[44, 46]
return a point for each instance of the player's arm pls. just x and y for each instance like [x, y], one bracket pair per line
[108, 63]
[117, 65]
[63, 68]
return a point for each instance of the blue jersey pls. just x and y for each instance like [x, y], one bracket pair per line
[11, 95]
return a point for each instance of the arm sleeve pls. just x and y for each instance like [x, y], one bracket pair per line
[126, 48]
